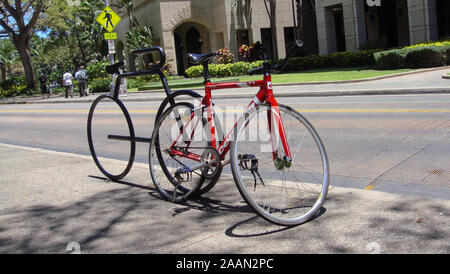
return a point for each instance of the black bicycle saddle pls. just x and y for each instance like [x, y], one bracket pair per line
[196, 58]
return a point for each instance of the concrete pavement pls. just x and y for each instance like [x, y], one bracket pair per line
[416, 82]
[53, 201]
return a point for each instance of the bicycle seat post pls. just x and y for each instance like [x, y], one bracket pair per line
[206, 72]
[266, 67]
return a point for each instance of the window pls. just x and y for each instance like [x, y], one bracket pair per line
[266, 40]
[242, 37]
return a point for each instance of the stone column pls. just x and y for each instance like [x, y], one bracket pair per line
[325, 30]
[422, 21]
[355, 31]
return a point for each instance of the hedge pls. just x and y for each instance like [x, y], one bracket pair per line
[425, 55]
[339, 59]
[223, 70]
[12, 86]
[99, 85]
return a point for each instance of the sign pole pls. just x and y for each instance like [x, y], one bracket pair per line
[109, 19]
[111, 60]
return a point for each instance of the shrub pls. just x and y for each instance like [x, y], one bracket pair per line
[339, 59]
[391, 60]
[425, 58]
[100, 85]
[223, 70]
[351, 59]
[13, 91]
[313, 61]
[441, 48]
[97, 70]
[252, 53]
[225, 56]
[135, 82]
[194, 71]
[12, 82]
[55, 76]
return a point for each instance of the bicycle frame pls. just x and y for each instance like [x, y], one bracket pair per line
[265, 94]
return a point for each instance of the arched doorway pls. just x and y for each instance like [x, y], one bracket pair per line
[193, 41]
[179, 53]
[190, 37]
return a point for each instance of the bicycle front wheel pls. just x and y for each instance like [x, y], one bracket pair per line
[281, 190]
[110, 133]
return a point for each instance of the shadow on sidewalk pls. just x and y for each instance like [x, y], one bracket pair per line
[123, 219]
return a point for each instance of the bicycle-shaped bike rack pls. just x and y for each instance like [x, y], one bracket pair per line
[130, 136]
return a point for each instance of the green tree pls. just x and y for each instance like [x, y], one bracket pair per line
[129, 7]
[8, 55]
[137, 38]
[73, 36]
[18, 19]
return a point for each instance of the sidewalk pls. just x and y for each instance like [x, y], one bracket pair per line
[417, 82]
[59, 199]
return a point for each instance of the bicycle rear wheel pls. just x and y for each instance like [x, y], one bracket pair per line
[281, 191]
[178, 133]
[108, 121]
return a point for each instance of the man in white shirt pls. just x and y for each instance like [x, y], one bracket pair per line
[67, 82]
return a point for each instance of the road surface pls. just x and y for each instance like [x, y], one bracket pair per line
[391, 143]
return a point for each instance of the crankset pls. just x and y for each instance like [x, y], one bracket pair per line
[211, 158]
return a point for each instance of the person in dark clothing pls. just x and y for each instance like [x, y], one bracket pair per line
[43, 85]
[82, 77]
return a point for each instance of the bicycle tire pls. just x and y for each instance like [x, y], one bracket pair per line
[208, 184]
[171, 186]
[114, 176]
[302, 184]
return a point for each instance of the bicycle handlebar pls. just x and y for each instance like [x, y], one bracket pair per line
[114, 68]
[162, 54]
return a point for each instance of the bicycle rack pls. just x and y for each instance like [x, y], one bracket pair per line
[114, 96]
[155, 69]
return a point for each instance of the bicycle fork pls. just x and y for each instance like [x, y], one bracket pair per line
[275, 122]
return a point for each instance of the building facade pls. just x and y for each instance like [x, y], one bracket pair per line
[201, 26]
[350, 24]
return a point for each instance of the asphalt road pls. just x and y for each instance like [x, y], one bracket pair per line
[390, 143]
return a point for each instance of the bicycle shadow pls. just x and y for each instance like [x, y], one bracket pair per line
[275, 228]
[257, 226]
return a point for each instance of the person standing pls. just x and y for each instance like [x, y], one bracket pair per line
[43, 85]
[67, 82]
[82, 77]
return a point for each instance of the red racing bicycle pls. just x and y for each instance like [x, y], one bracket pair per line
[277, 158]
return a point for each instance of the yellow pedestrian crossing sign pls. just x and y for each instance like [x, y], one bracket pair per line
[108, 19]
